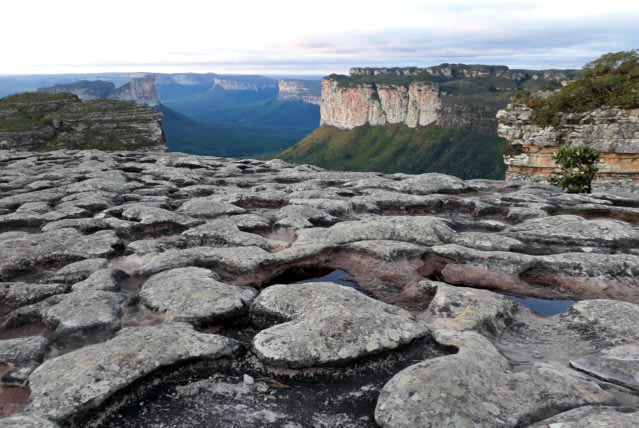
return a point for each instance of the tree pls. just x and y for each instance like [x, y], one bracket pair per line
[578, 168]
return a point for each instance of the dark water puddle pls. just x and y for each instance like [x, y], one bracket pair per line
[12, 398]
[303, 275]
[545, 307]
[28, 329]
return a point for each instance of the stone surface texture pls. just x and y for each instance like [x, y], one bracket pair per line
[613, 132]
[143, 288]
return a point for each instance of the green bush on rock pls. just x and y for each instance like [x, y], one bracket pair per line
[578, 168]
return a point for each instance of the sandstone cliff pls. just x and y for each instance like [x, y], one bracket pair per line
[41, 121]
[378, 105]
[299, 90]
[141, 90]
[614, 132]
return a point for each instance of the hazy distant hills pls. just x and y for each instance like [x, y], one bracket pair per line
[204, 113]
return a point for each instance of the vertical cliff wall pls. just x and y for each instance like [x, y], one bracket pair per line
[614, 132]
[141, 90]
[347, 107]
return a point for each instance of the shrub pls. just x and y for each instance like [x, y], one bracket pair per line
[612, 81]
[578, 168]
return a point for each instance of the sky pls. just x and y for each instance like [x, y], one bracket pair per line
[276, 37]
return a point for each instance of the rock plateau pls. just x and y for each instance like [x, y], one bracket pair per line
[164, 289]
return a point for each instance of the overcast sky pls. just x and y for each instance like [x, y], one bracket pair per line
[303, 37]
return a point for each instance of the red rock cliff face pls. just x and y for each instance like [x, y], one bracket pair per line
[378, 105]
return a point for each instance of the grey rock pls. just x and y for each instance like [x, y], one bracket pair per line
[387, 249]
[102, 369]
[571, 230]
[22, 251]
[587, 275]
[194, 295]
[78, 271]
[24, 354]
[102, 279]
[27, 420]
[222, 233]
[147, 216]
[22, 293]
[301, 216]
[238, 260]
[618, 365]
[433, 182]
[486, 241]
[592, 417]
[83, 311]
[328, 323]
[462, 308]
[421, 230]
[608, 323]
[477, 386]
[208, 208]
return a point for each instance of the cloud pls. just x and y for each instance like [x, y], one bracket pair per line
[334, 35]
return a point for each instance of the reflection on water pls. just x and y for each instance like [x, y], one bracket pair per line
[12, 398]
[337, 276]
[544, 307]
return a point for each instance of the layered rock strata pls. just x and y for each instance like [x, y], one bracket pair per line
[378, 105]
[40, 121]
[168, 289]
[613, 132]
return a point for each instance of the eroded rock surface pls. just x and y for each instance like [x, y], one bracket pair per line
[328, 323]
[99, 370]
[101, 253]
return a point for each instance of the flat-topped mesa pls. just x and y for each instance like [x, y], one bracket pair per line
[140, 90]
[422, 96]
[612, 131]
[43, 121]
[299, 90]
[461, 71]
[378, 104]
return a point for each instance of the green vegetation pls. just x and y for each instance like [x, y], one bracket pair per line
[611, 81]
[578, 168]
[28, 111]
[397, 148]
[42, 121]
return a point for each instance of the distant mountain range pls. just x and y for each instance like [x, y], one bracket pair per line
[212, 114]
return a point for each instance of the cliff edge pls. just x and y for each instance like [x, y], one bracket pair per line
[43, 121]
[600, 109]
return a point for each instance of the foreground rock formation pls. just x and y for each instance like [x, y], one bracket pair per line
[42, 121]
[168, 289]
[613, 132]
